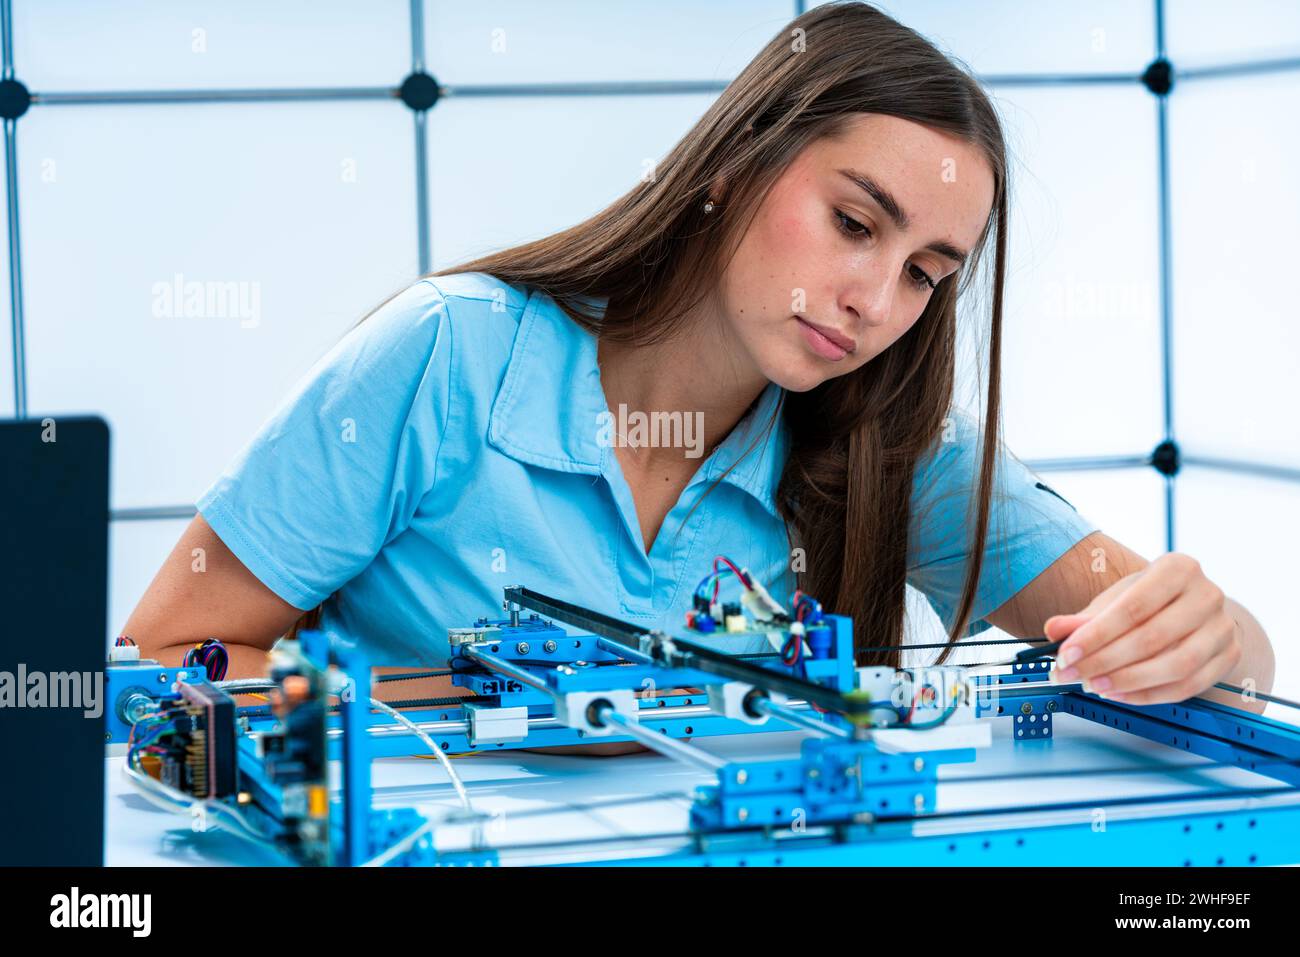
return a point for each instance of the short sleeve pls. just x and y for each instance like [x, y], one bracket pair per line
[1030, 525]
[340, 467]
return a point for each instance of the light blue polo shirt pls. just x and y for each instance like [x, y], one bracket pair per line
[451, 445]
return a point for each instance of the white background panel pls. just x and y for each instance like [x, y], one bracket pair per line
[70, 46]
[1081, 347]
[1201, 32]
[256, 195]
[1015, 36]
[1237, 323]
[1126, 504]
[135, 553]
[6, 320]
[508, 170]
[1244, 531]
[522, 41]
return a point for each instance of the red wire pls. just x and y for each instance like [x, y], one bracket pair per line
[915, 698]
[736, 571]
[717, 582]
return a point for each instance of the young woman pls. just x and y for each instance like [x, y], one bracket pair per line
[788, 282]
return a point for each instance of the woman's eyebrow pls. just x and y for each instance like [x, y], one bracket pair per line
[885, 200]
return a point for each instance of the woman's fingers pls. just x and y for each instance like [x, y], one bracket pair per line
[1189, 685]
[1158, 585]
[1172, 623]
[1160, 635]
[1058, 627]
[1179, 660]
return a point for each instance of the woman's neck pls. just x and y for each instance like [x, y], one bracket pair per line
[701, 370]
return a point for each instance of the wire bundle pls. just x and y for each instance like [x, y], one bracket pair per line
[807, 609]
[151, 727]
[715, 577]
[212, 655]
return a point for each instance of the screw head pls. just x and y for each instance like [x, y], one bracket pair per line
[918, 765]
[1026, 708]
[522, 648]
[550, 647]
[162, 679]
[742, 776]
[1051, 706]
[742, 814]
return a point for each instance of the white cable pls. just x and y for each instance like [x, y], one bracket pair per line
[758, 601]
[245, 685]
[431, 745]
[177, 802]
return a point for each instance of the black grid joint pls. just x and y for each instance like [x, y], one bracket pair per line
[419, 91]
[15, 98]
[1166, 458]
[1158, 77]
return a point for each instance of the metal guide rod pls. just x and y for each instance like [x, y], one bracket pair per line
[668, 747]
[491, 661]
[800, 719]
[673, 652]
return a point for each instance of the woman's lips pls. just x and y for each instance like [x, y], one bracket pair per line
[827, 343]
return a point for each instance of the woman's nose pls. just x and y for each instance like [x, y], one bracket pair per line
[873, 299]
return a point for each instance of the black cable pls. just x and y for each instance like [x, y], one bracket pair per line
[1256, 694]
[955, 644]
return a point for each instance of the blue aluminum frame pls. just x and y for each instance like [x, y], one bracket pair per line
[842, 801]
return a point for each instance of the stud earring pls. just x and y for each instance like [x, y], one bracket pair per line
[708, 206]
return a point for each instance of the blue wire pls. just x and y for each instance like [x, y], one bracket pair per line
[710, 576]
[935, 723]
[150, 736]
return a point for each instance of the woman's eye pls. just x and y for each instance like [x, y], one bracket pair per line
[920, 278]
[855, 230]
[851, 227]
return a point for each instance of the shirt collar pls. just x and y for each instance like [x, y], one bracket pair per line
[547, 410]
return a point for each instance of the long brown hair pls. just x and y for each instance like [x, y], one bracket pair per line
[654, 254]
